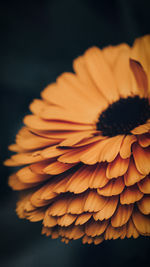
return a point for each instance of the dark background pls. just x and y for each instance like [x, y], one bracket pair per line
[39, 40]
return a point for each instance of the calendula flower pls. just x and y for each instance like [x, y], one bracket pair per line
[85, 150]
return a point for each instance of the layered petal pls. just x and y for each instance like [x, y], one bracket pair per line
[85, 149]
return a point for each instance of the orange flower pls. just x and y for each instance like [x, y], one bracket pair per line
[86, 149]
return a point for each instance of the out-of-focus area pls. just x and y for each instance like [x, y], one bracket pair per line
[39, 40]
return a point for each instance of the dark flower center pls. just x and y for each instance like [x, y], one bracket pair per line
[123, 116]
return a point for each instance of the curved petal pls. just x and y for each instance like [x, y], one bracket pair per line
[101, 74]
[144, 205]
[132, 175]
[116, 168]
[144, 185]
[125, 150]
[114, 187]
[113, 232]
[141, 158]
[83, 218]
[131, 230]
[141, 222]
[93, 228]
[144, 140]
[130, 195]
[122, 215]
[140, 51]
[32, 121]
[94, 202]
[108, 210]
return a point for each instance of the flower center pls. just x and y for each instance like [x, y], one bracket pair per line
[123, 116]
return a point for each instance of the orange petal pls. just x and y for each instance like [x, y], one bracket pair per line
[140, 77]
[79, 89]
[55, 233]
[101, 74]
[94, 152]
[25, 175]
[40, 166]
[83, 218]
[24, 158]
[28, 206]
[144, 185]
[144, 205]
[48, 189]
[144, 140]
[72, 155]
[98, 178]
[52, 152]
[61, 135]
[125, 150]
[144, 128]
[79, 181]
[82, 72]
[108, 210]
[49, 221]
[114, 187]
[123, 75]
[16, 148]
[130, 195]
[114, 233]
[140, 52]
[76, 204]
[111, 53]
[60, 185]
[117, 168]
[87, 239]
[93, 228]
[57, 168]
[132, 175]
[71, 94]
[51, 112]
[39, 124]
[141, 158]
[107, 154]
[72, 232]
[29, 141]
[131, 230]
[141, 222]
[122, 215]
[36, 199]
[47, 231]
[76, 138]
[36, 215]
[11, 163]
[98, 240]
[66, 219]
[94, 202]
[16, 184]
[91, 155]
[83, 75]
[90, 140]
[65, 240]
[59, 207]
[24, 200]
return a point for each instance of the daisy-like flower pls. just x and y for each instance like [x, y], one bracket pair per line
[85, 150]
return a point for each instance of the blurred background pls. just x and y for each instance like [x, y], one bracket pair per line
[39, 40]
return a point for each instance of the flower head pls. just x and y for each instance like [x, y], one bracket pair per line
[85, 150]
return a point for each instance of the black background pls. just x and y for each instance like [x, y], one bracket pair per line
[39, 40]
